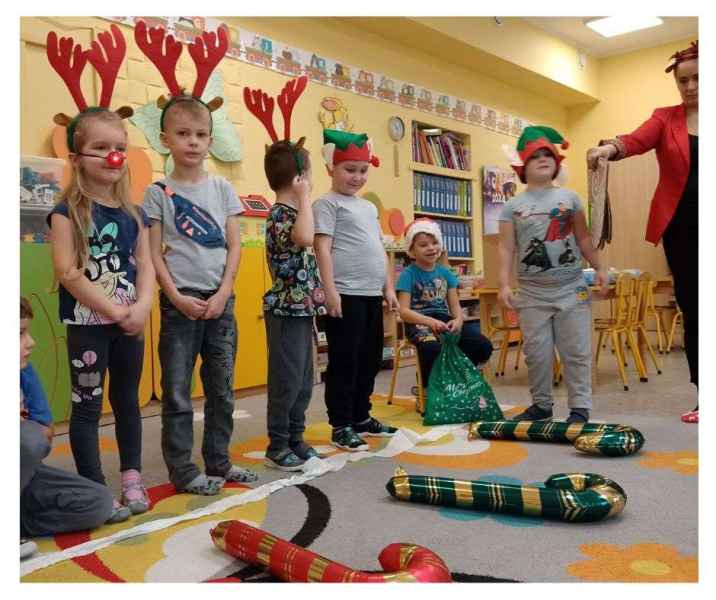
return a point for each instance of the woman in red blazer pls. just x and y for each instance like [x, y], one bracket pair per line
[673, 131]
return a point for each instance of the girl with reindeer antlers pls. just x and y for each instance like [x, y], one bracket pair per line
[194, 216]
[100, 254]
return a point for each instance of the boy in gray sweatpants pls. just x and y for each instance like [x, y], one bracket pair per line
[547, 227]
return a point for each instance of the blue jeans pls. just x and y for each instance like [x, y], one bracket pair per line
[181, 340]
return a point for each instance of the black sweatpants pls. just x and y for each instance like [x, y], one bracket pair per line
[355, 351]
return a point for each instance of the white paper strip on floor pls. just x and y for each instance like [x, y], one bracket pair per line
[401, 442]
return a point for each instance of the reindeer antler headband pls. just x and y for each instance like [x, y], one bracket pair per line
[69, 60]
[260, 104]
[164, 51]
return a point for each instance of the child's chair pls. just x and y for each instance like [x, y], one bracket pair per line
[644, 287]
[679, 316]
[405, 344]
[511, 332]
[624, 310]
[659, 312]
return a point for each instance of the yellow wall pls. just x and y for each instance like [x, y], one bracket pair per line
[520, 43]
[631, 86]
[139, 83]
[628, 86]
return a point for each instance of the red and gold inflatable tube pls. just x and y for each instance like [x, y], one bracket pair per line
[400, 562]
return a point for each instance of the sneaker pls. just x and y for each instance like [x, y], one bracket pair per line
[578, 415]
[119, 514]
[27, 548]
[373, 428]
[203, 486]
[304, 450]
[134, 494]
[240, 475]
[284, 460]
[534, 413]
[347, 439]
[691, 417]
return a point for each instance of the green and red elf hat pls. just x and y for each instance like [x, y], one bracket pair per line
[68, 59]
[533, 138]
[340, 146]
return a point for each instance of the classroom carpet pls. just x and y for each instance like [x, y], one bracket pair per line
[348, 516]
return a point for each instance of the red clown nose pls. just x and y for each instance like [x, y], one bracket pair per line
[115, 159]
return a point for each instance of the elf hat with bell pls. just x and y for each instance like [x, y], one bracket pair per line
[533, 138]
[339, 146]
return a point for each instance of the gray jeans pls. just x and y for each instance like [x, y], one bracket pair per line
[52, 500]
[290, 378]
[557, 316]
[181, 340]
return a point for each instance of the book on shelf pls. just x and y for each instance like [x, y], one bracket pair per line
[441, 195]
[440, 148]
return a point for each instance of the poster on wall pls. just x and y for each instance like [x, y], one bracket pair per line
[39, 185]
[498, 186]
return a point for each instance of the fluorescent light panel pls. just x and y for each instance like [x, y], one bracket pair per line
[612, 26]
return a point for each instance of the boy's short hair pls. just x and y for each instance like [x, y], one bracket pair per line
[281, 164]
[188, 104]
[25, 309]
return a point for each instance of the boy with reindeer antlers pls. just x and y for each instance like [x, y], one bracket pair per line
[195, 217]
[296, 295]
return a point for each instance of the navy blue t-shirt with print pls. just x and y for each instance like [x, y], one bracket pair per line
[428, 289]
[111, 266]
[296, 289]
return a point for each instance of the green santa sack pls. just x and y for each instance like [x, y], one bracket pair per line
[457, 393]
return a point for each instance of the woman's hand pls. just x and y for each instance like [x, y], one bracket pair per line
[594, 154]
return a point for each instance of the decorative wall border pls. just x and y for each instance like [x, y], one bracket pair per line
[258, 50]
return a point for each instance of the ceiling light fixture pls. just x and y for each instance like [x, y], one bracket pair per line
[613, 26]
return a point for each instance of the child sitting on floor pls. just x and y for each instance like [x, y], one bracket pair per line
[51, 500]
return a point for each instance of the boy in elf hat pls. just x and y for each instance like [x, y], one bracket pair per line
[546, 226]
[353, 267]
[429, 305]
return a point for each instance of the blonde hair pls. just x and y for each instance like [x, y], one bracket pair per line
[79, 203]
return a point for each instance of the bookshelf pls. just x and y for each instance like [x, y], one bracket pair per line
[444, 189]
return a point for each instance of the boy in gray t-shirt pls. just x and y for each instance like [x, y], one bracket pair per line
[195, 218]
[546, 226]
[352, 264]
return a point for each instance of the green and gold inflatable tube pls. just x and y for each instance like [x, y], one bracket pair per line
[573, 497]
[593, 438]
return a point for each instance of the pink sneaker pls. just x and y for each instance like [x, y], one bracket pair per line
[691, 417]
[134, 494]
